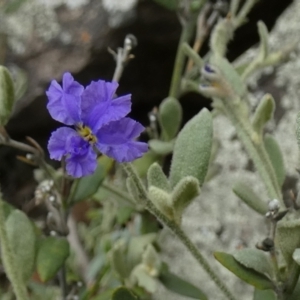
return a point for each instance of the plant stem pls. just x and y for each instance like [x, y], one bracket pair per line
[63, 282]
[185, 37]
[129, 169]
[124, 196]
[256, 151]
[9, 261]
[123, 56]
[293, 279]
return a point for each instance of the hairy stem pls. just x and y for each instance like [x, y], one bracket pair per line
[185, 37]
[124, 196]
[294, 274]
[9, 261]
[256, 151]
[176, 230]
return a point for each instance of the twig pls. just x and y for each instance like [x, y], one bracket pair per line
[80, 254]
[123, 56]
[63, 282]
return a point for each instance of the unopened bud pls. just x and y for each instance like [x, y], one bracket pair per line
[130, 41]
[266, 245]
[274, 205]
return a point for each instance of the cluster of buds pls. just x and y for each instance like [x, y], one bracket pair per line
[44, 192]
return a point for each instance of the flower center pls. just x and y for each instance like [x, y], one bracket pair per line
[86, 133]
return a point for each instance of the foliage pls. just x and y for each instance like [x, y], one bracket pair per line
[112, 249]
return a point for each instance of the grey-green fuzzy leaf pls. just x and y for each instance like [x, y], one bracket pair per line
[247, 195]
[170, 116]
[288, 236]
[255, 259]
[186, 190]
[22, 239]
[161, 147]
[276, 157]
[263, 113]
[193, 149]
[7, 95]
[156, 177]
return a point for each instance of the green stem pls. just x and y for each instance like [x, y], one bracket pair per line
[185, 37]
[256, 151]
[176, 230]
[9, 261]
[124, 196]
[294, 274]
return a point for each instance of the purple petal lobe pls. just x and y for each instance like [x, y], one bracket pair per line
[98, 106]
[116, 140]
[82, 160]
[59, 142]
[64, 102]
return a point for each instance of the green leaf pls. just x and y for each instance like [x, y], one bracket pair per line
[169, 4]
[118, 259]
[142, 164]
[276, 157]
[123, 214]
[264, 39]
[255, 259]
[88, 186]
[7, 95]
[142, 278]
[229, 73]
[161, 147]
[296, 292]
[263, 113]
[132, 190]
[136, 247]
[192, 149]
[250, 276]
[105, 295]
[288, 237]
[22, 240]
[170, 117]
[52, 253]
[298, 129]
[20, 82]
[296, 256]
[178, 285]
[13, 5]
[123, 293]
[151, 260]
[185, 191]
[162, 200]
[264, 295]
[156, 177]
[246, 194]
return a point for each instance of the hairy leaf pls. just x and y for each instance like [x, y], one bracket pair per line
[178, 285]
[276, 157]
[192, 149]
[246, 194]
[250, 276]
[52, 253]
[22, 240]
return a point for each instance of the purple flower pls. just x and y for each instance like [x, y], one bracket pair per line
[99, 124]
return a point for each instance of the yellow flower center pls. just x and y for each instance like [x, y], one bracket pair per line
[86, 134]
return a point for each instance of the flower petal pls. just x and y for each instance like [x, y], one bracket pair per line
[82, 160]
[98, 106]
[64, 102]
[115, 140]
[58, 142]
